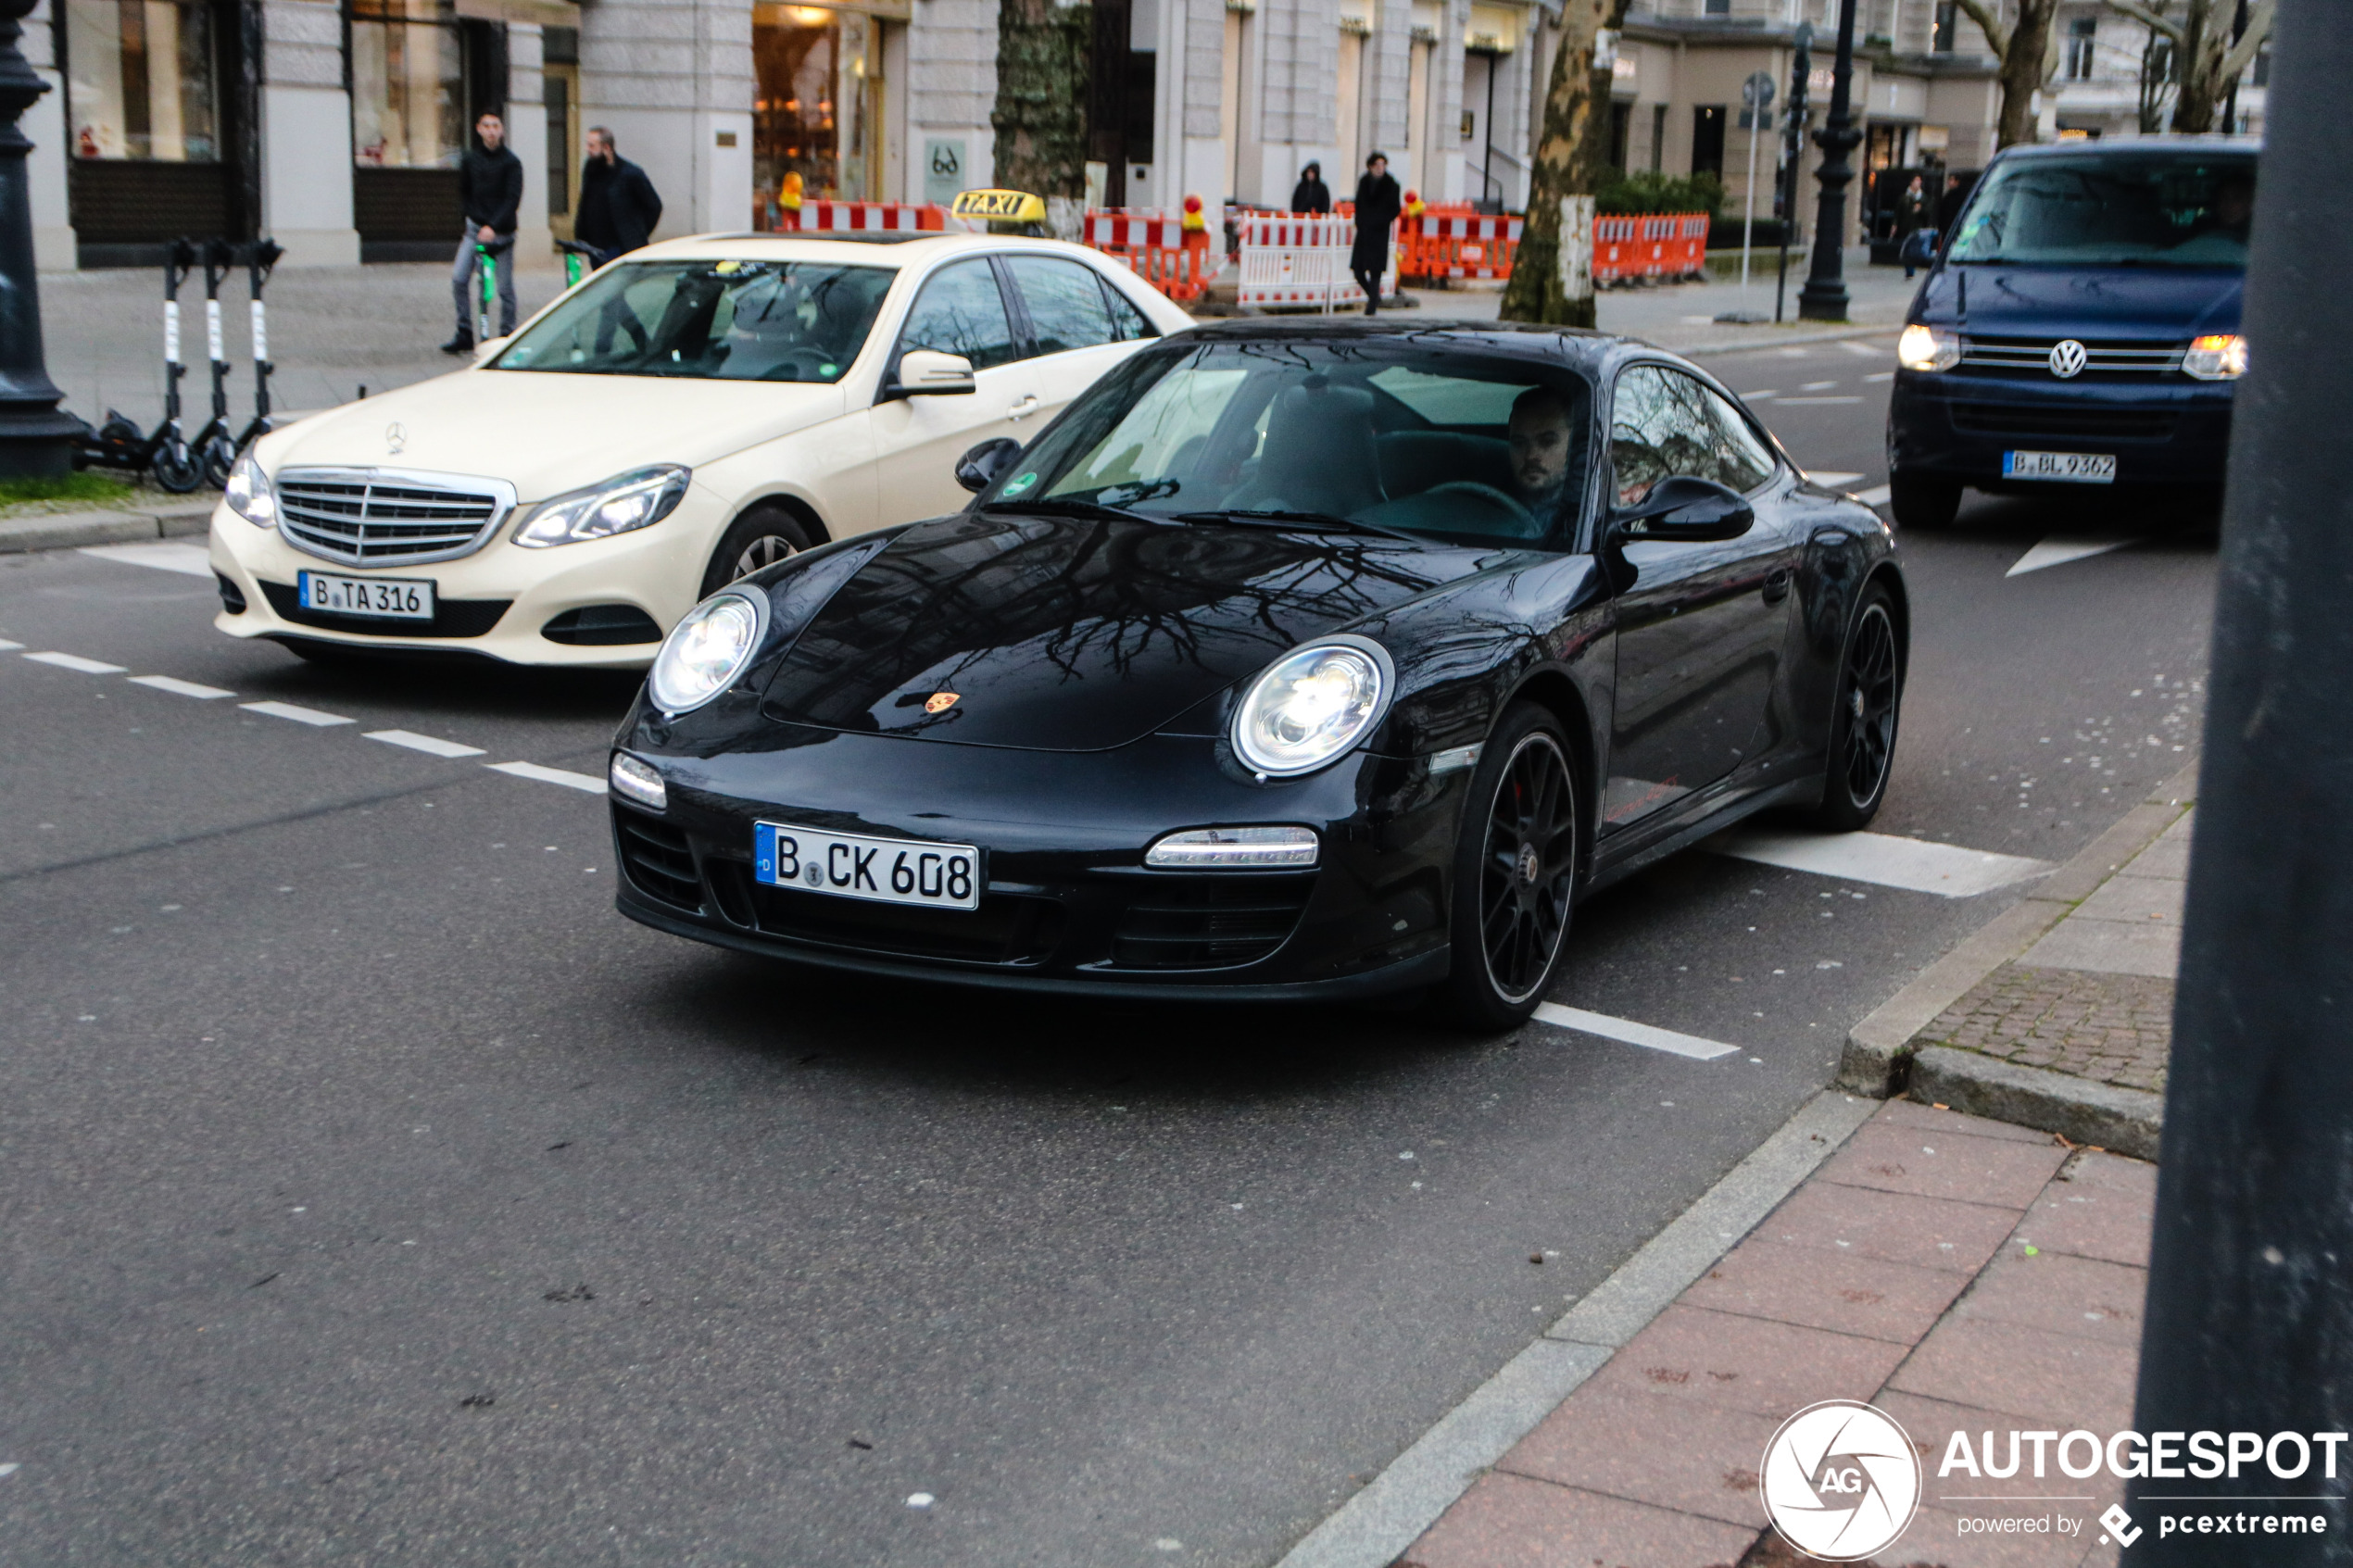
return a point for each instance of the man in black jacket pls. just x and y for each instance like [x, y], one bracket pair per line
[489, 190]
[1377, 205]
[618, 207]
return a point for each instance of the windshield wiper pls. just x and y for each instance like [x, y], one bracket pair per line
[1069, 505]
[1329, 521]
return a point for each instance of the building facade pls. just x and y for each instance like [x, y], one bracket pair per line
[335, 126]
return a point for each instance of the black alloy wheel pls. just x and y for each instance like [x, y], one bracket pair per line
[1871, 690]
[763, 536]
[1515, 872]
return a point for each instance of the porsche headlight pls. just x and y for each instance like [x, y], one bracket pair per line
[1927, 348]
[625, 502]
[2217, 357]
[249, 492]
[1310, 706]
[706, 651]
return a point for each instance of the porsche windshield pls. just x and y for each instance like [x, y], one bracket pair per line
[1424, 437]
[2154, 210]
[709, 320]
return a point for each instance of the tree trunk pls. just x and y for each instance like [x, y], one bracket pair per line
[1044, 50]
[1552, 274]
[2026, 66]
[2206, 37]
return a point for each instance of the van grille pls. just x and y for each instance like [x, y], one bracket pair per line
[2146, 357]
[373, 517]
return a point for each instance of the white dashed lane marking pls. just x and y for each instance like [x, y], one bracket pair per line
[179, 688]
[1850, 397]
[188, 559]
[582, 782]
[1632, 1033]
[2058, 550]
[1818, 386]
[1880, 375]
[1883, 859]
[75, 661]
[299, 715]
[1863, 350]
[1876, 495]
[433, 743]
[1831, 477]
[6, 647]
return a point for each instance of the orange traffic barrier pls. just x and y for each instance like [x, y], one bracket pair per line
[1171, 254]
[828, 217]
[1668, 244]
[1440, 242]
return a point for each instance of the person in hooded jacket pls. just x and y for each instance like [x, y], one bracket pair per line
[1311, 195]
[1377, 205]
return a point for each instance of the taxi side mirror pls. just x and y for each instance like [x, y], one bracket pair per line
[925, 372]
[978, 469]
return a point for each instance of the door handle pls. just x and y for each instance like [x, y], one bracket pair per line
[1777, 585]
[1023, 407]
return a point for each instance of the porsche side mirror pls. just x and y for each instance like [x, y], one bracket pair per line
[925, 372]
[978, 469]
[1685, 510]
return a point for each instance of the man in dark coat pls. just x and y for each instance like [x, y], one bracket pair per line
[1377, 205]
[1311, 195]
[618, 207]
[489, 190]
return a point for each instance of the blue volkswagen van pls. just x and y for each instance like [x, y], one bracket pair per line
[2078, 328]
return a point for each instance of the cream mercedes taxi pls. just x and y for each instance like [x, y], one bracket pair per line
[684, 415]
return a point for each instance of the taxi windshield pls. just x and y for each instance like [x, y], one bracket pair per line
[1430, 438]
[709, 320]
[2143, 210]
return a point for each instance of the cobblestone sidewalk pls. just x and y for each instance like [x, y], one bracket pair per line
[1960, 1274]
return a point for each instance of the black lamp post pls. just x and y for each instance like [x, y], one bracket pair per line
[36, 436]
[1824, 296]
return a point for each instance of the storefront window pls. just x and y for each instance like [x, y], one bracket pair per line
[407, 91]
[816, 105]
[143, 83]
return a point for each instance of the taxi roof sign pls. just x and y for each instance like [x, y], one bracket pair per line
[1000, 207]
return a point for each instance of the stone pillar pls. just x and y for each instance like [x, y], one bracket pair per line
[1299, 76]
[527, 134]
[673, 80]
[305, 134]
[1388, 64]
[951, 86]
[1195, 54]
[45, 123]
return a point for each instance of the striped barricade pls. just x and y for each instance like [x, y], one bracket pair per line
[1671, 245]
[1441, 243]
[1158, 249]
[825, 215]
[1301, 259]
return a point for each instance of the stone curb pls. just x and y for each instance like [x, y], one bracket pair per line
[2118, 1120]
[1391, 1513]
[1879, 1049]
[61, 530]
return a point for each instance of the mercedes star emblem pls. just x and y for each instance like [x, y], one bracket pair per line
[2068, 357]
[396, 434]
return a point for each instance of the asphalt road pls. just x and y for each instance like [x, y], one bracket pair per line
[373, 1192]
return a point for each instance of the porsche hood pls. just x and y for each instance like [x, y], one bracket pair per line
[1077, 633]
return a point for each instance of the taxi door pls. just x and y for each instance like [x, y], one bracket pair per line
[917, 440]
[1072, 330]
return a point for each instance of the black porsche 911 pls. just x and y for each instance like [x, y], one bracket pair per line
[1295, 659]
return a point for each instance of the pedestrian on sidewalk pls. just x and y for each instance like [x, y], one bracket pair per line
[1377, 205]
[1311, 195]
[618, 205]
[1911, 218]
[489, 191]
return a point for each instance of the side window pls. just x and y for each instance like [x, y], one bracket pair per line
[960, 311]
[1665, 425]
[1743, 461]
[1127, 322]
[1066, 308]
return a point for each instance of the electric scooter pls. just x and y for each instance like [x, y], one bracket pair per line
[214, 452]
[487, 273]
[260, 257]
[579, 261]
[163, 453]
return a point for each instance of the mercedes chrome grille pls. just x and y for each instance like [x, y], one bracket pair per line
[389, 517]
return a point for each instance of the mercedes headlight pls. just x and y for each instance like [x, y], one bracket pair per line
[250, 494]
[1312, 704]
[1928, 348]
[706, 651]
[2217, 357]
[625, 502]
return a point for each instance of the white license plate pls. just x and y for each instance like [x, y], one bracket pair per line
[2070, 467]
[399, 598]
[887, 870]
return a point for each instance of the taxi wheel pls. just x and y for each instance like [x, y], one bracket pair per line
[760, 537]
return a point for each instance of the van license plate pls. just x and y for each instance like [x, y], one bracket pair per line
[2069, 468]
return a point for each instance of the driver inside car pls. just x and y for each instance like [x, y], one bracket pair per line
[1542, 435]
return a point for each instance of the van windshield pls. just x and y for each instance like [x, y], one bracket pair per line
[2144, 210]
[709, 320]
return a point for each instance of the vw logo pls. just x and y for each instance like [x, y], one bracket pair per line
[1840, 1481]
[396, 434]
[2068, 357]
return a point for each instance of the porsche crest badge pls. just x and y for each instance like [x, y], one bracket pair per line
[939, 702]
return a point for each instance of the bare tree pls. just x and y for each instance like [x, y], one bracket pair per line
[2206, 58]
[1044, 61]
[1552, 275]
[2028, 50]
[2157, 74]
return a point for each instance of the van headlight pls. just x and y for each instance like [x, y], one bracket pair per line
[620, 505]
[249, 492]
[1928, 348]
[706, 651]
[1312, 704]
[2217, 357]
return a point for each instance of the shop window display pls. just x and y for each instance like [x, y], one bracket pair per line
[407, 90]
[142, 81]
[816, 105]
